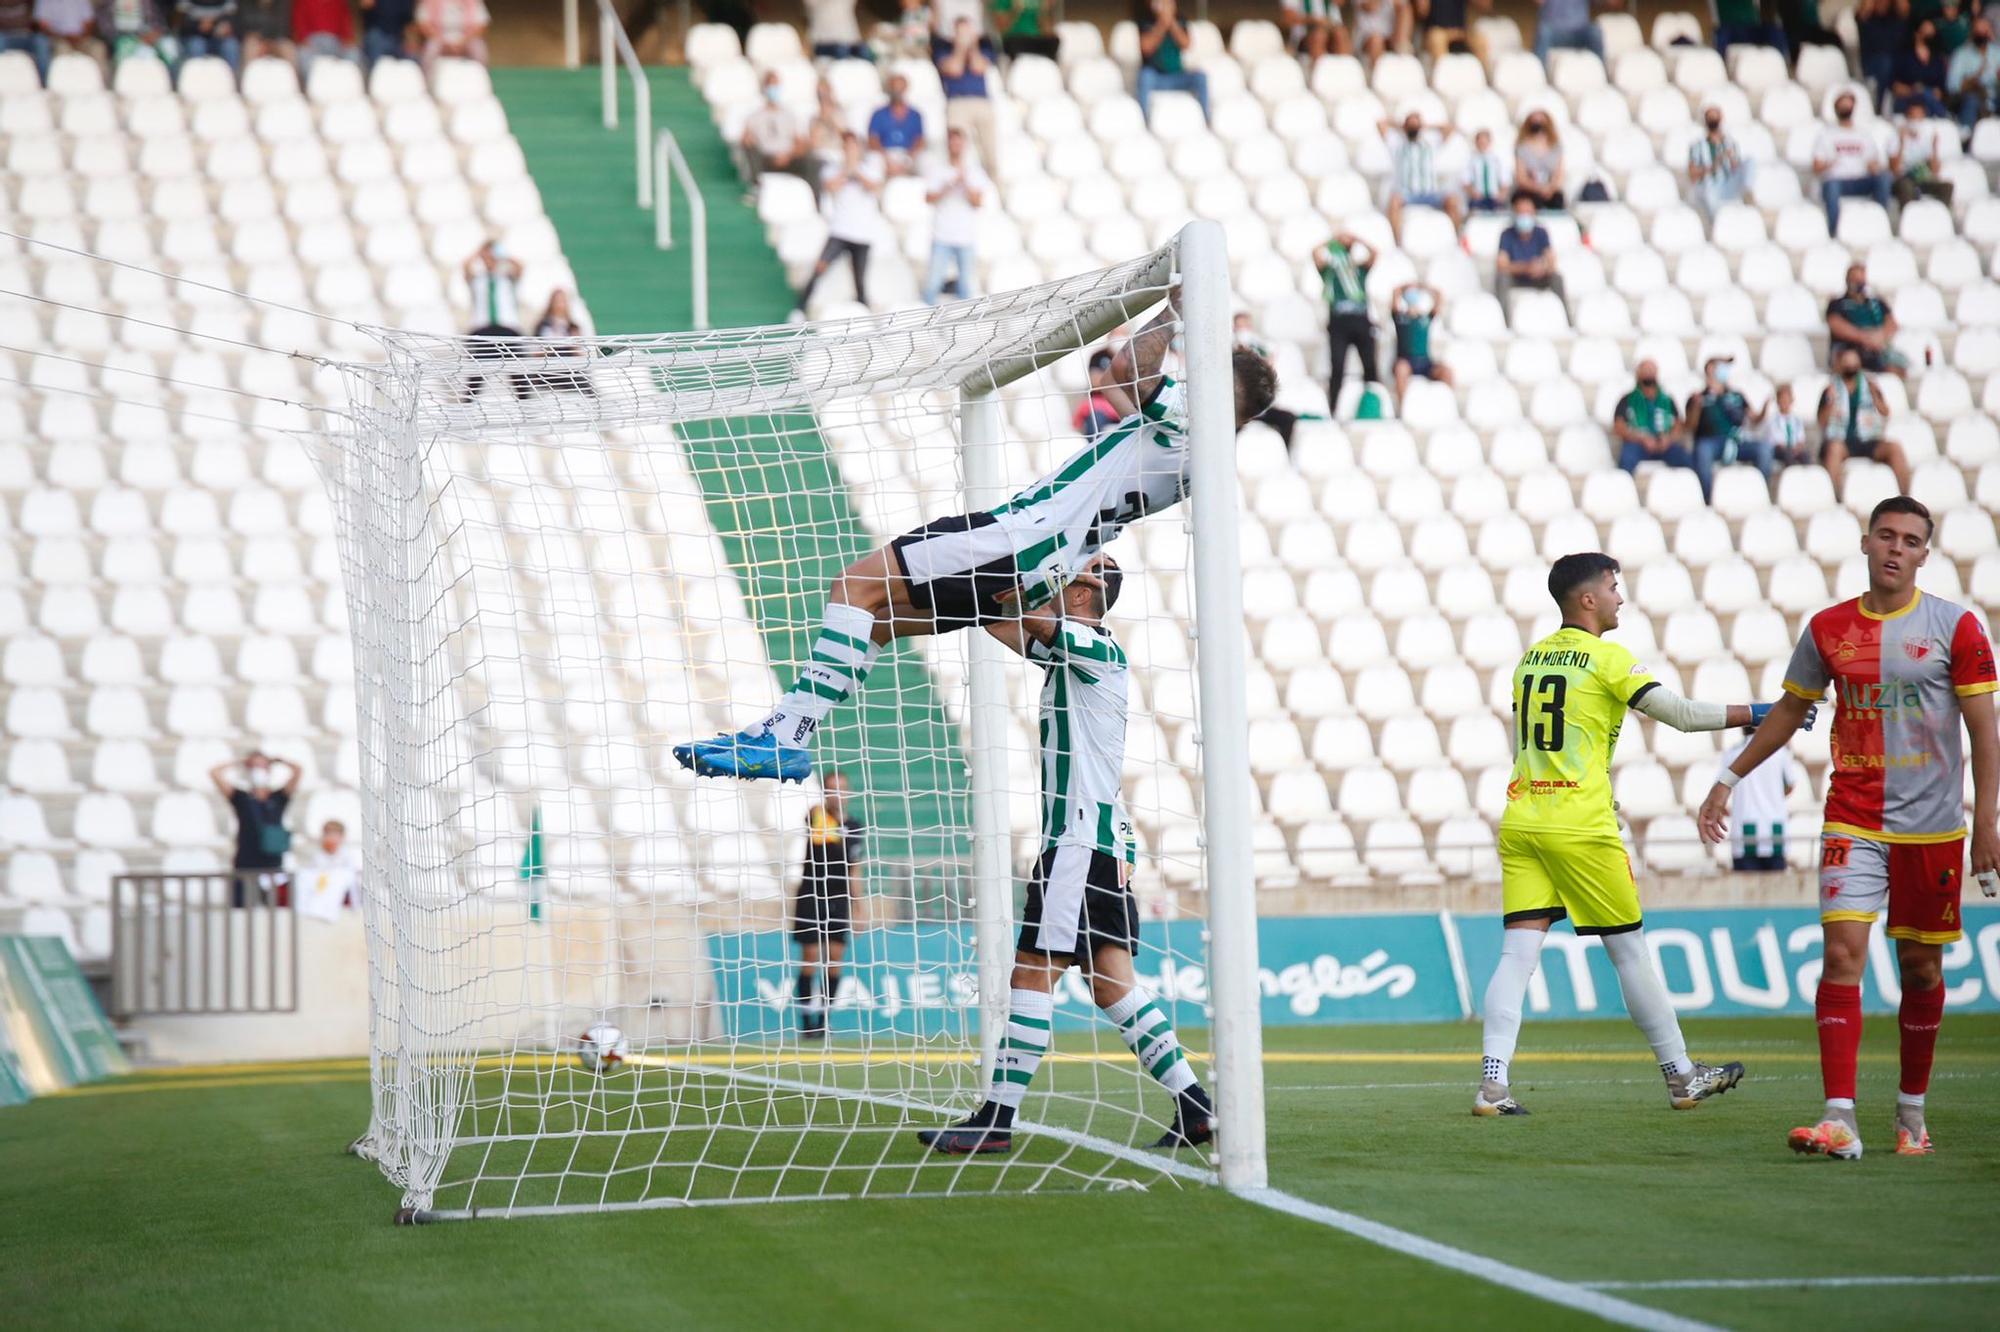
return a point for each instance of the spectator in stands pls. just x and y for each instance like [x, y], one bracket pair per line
[1884, 29]
[1954, 25]
[1448, 25]
[955, 187]
[1098, 411]
[1853, 420]
[1381, 26]
[1413, 310]
[1566, 25]
[833, 31]
[1416, 179]
[208, 28]
[1526, 258]
[1274, 416]
[385, 30]
[322, 29]
[1716, 167]
[1919, 73]
[494, 279]
[772, 139]
[1020, 24]
[1783, 430]
[332, 855]
[896, 130]
[1647, 425]
[67, 25]
[1343, 264]
[829, 125]
[962, 64]
[18, 33]
[261, 838]
[453, 29]
[134, 28]
[1163, 45]
[266, 29]
[555, 331]
[1860, 321]
[852, 190]
[1313, 28]
[911, 36]
[1973, 76]
[1488, 177]
[1724, 427]
[1919, 158]
[1803, 27]
[1742, 23]
[1848, 162]
[1757, 842]
[1538, 163]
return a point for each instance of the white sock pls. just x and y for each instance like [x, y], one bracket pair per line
[1840, 1102]
[1022, 1046]
[841, 656]
[1915, 1100]
[1520, 953]
[1646, 1000]
[1150, 1036]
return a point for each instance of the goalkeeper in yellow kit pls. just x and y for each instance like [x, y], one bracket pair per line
[1560, 850]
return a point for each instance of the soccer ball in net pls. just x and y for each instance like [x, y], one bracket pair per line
[601, 1049]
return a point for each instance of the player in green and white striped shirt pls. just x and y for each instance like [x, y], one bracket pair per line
[980, 568]
[1080, 910]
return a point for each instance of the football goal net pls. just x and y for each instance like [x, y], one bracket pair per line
[562, 559]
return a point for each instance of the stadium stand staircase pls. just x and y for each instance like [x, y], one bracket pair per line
[914, 781]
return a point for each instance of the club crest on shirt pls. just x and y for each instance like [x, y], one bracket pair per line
[1916, 649]
[1845, 651]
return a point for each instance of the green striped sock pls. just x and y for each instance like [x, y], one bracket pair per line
[840, 660]
[1150, 1035]
[1022, 1046]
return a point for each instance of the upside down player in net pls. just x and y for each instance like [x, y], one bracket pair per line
[1560, 850]
[982, 568]
[823, 912]
[1906, 669]
[1080, 911]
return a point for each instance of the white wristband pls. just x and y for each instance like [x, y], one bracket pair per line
[1727, 779]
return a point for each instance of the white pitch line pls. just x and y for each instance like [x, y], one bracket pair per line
[1555, 1291]
[1793, 1283]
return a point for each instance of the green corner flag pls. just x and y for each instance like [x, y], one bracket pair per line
[533, 867]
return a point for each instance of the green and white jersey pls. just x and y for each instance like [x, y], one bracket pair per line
[1083, 739]
[1137, 467]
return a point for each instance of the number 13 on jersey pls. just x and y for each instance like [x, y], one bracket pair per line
[1538, 712]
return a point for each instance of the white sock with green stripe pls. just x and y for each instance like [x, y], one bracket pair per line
[841, 657]
[1022, 1046]
[1150, 1035]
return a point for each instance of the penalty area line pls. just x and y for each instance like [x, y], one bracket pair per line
[1794, 1283]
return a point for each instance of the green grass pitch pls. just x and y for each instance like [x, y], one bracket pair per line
[224, 1199]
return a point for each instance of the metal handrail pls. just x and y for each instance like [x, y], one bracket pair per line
[668, 163]
[614, 46]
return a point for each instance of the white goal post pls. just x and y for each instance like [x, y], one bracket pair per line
[561, 559]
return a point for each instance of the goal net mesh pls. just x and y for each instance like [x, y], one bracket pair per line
[562, 559]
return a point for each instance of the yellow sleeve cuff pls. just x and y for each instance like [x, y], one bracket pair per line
[1984, 687]
[1800, 691]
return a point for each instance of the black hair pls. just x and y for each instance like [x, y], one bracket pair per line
[1114, 581]
[1100, 360]
[1256, 381]
[1903, 504]
[1571, 572]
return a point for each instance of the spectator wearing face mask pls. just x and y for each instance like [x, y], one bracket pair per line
[1720, 419]
[1538, 163]
[772, 139]
[1919, 160]
[1848, 162]
[1417, 181]
[1973, 76]
[1414, 310]
[1526, 258]
[1858, 320]
[1163, 45]
[261, 838]
[1920, 73]
[1647, 425]
[1716, 167]
[1784, 431]
[1853, 420]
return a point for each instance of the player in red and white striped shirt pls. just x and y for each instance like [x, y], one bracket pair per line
[1905, 669]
